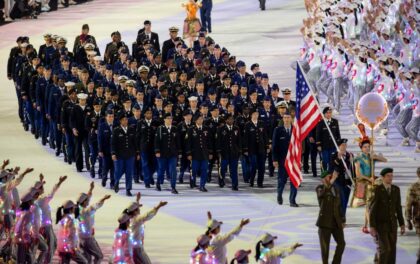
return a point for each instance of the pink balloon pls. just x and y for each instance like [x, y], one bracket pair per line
[372, 110]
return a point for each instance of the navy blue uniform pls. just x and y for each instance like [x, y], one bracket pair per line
[104, 148]
[323, 139]
[123, 146]
[281, 140]
[92, 124]
[205, 13]
[77, 121]
[54, 113]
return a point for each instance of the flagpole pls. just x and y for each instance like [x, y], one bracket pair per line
[325, 121]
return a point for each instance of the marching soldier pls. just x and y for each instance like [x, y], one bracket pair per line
[92, 124]
[123, 151]
[199, 151]
[385, 216]
[281, 140]
[213, 123]
[146, 130]
[255, 146]
[412, 208]
[167, 149]
[104, 148]
[185, 163]
[331, 219]
[343, 181]
[228, 146]
[324, 142]
[77, 126]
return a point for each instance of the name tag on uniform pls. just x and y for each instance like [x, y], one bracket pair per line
[282, 137]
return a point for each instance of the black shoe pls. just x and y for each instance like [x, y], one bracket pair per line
[306, 172]
[128, 193]
[251, 184]
[103, 183]
[158, 188]
[36, 135]
[147, 186]
[79, 170]
[235, 189]
[116, 188]
[26, 127]
[314, 175]
[44, 142]
[33, 131]
[203, 189]
[181, 179]
[92, 173]
[88, 167]
[174, 191]
[208, 179]
[221, 183]
[57, 153]
[246, 181]
[111, 186]
[294, 205]
[280, 201]
[136, 181]
[260, 186]
[271, 174]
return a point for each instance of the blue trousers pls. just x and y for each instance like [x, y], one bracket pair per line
[42, 124]
[205, 14]
[137, 170]
[257, 163]
[93, 151]
[124, 166]
[148, 166]
[200, 167]
[282, 180]
[29, 114]
[344, 196]
[326, 158]
[233, 170]
[55, 134]
[245, 164]
[108, 167]
[70, 145]
[168, 165]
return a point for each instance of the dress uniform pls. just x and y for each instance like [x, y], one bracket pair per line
[331, 219]
[66, 109]
[167, 149]
[199, 148]
[123, 151]
[78, 128]
[255, 145]
[92, 125]
[146, 130]
[104, 147]
[323, 138]
[213, 123]
[412, 208]
[54, 113]
[385, 216]
[228, 147]
[343, 181]
[183, 127]
[280, 145]
[42, 87]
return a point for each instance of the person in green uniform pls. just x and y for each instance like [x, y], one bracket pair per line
[331, 220]
[385, 216]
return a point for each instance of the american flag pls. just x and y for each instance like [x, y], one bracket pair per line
[307, 117]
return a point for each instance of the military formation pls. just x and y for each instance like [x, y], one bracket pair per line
[355, 47]
[153, 114]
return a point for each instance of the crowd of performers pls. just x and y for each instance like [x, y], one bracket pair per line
[354, 47]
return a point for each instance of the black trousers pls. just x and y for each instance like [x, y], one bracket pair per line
[80, 144]
[324, 240]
